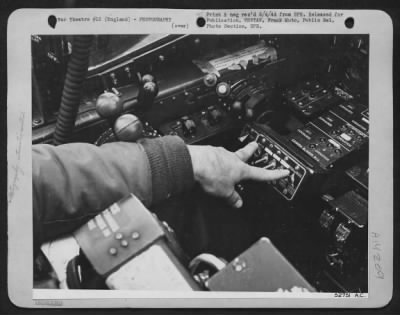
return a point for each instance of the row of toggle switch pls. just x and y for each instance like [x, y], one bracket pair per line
[272, 156]
[199, 125]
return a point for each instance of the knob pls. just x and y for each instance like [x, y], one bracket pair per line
[147, 78]
[128, 128]
[249, 113]
[210, 80]
[128, 72]
[114, 79]
[148, 90]
[214, 115]
[237, 106]
[188, 126]
[109, 105]
[223, 89]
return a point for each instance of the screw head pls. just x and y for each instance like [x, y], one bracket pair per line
[238, 265]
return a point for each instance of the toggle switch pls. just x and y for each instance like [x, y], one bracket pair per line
[271, 165]
[292, 178]
[345, 137]
[188, 126]
[261, 162]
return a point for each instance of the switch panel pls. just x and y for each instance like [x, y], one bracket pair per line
[310, 97]
[200, 125]
[272, 155]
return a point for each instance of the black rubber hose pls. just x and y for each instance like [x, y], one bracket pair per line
[71, 96]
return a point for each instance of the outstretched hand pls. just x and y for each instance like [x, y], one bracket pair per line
[218, 170]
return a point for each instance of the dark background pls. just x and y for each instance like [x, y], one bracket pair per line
[8, 6]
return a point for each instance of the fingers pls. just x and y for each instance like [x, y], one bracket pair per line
[246, 152]
[260, 174]
[235, 200]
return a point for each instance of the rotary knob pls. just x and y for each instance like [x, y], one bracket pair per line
[223, 89]
[210, 80]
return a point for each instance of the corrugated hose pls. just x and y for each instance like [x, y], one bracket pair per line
[71, 96]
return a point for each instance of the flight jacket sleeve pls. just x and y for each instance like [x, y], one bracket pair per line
[75, 181]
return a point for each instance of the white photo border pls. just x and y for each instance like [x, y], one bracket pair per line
[26, 22]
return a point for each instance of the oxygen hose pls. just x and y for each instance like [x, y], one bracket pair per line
[73, 85]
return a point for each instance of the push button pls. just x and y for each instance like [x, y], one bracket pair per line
[135, 235]
[113, 251]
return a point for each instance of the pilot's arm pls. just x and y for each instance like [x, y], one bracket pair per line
[74, 182]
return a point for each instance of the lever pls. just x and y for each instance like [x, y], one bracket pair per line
[128, 128]
[148, 90]
[109, 106]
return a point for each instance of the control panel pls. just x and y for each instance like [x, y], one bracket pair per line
[271, 155]
[310, 97]
[344, 222]
[303, 99]
[334, 134]
[352, 206]
[200, 125]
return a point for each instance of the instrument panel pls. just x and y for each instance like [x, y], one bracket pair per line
[334, 134]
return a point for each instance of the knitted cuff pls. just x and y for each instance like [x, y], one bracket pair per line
[171, 166]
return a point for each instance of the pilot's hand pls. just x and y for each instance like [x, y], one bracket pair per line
[218, 170]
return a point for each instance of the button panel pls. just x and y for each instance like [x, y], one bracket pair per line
[271, 155]
[310, 97]
[118, 234]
